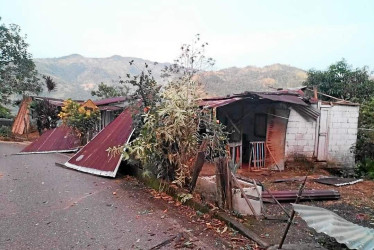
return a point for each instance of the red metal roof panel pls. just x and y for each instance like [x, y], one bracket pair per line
[60, 139]
[93, 158]
[284, 98]
[214, 103]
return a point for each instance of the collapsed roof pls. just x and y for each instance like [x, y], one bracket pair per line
[295, 98]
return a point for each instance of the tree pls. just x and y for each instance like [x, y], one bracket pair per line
[171, 123]
[47, 114]
[49, 83]
[106, 91]
[342, 81]
[17, 69]
[364, 149]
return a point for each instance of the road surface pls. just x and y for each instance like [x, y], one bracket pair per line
[43, 206]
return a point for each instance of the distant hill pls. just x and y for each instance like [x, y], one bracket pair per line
[237, 80]
[76, 75]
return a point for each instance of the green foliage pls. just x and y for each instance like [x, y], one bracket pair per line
[81, 119]
[47, 114]
[364, 149]
[171, 125]
[184, 197]
[5, 131]
[17, 70]
[366, 168]
[5, 112]
[342, 81]
[106, 91]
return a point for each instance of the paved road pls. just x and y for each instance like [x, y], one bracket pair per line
[43, 206]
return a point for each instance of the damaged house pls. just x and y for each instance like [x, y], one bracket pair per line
[270, 128]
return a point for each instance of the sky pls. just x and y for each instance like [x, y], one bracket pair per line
[304, 34]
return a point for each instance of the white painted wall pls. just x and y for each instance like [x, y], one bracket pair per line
[300, 135]
[342, 133]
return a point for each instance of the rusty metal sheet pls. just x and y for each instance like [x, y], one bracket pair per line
[308, 111]
[60, 139]
[276, 138]
[93, 158]
[282, 97]
[214, 103]
[21, 123]
[109, 108]
[111, 100]
[308, 195]
[345, 232]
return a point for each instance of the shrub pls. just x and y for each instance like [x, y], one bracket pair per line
[5, 131]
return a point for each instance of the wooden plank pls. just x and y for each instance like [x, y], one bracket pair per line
[242, 229]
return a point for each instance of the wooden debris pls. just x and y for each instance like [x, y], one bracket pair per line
[242, 229]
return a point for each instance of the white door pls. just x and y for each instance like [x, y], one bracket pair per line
[323, 134]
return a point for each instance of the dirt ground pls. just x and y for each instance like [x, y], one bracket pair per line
[356, 204]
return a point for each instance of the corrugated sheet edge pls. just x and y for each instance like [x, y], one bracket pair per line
[49, 152]
[96, 171]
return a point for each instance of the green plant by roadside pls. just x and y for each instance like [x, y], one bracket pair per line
[5, 131]
[169, 124]
[5, 112]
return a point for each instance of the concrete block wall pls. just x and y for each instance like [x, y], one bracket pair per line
[300, 135]
[342, 134]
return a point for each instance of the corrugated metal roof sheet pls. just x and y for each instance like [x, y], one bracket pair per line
[93, 158]
[22, 120]
[110, 100]
[109, 108]
[214, 103]
[348, 233]
[282, 97]
[309, 111]
[60, 139]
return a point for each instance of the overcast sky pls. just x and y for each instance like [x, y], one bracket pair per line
[304, 34]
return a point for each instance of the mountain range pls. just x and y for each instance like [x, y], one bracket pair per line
[77, 75]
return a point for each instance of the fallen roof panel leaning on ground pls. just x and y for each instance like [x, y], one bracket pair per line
[94, 158]
[61, 139]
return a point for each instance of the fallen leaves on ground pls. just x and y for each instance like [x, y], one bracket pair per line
[207, 224]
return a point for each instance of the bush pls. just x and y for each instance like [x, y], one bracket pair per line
[5, 131]
[5, 112]
[365, 168]
[364, 149]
